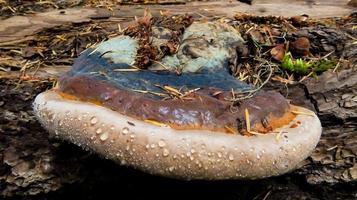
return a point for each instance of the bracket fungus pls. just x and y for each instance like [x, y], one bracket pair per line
[175, 118]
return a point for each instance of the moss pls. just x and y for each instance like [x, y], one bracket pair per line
[323, 65]
[304, 67]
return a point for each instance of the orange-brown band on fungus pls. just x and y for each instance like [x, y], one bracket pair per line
[275, 122]
[268, 110]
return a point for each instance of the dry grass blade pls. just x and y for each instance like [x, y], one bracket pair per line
[248, 125]
[332, 148]
[92, 51]
[278, 135]
[190, 92]
[250, 93]
[127, 70]
[3, 69]
[256, 133]
[230, 130]
[302, 113]
[61, 37]
[12, 9]
[173, 90]
[47, 2]
[176, 93]
[150, 92]
[305, 77]
[156, 123]
[162, 65]
[247, 119]
[283, 80]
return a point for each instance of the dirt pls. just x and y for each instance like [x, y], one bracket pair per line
[34, 166]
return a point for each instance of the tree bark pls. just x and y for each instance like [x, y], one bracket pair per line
[39, 167]
[33, 163]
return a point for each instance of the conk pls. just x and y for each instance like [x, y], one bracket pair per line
[177, 118]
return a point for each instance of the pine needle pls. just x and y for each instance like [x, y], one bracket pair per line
[127, 70]
[230, 130]
[302, 113]
[156, 123]
[247, 120]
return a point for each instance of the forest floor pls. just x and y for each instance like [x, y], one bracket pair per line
[40, 39]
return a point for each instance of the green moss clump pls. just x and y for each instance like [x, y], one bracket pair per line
[303, 67]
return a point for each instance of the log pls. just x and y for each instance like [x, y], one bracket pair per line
[22, 27]
[35, 166]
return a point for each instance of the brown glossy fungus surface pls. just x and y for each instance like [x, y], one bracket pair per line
[198, 110]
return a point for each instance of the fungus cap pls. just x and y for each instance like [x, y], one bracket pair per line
[184, 154]
[190, 133]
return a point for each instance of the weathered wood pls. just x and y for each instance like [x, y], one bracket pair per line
[31, 163]
[334, 97]
[20, 27]
[34, 163]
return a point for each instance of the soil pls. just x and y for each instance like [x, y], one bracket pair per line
[36, 166]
